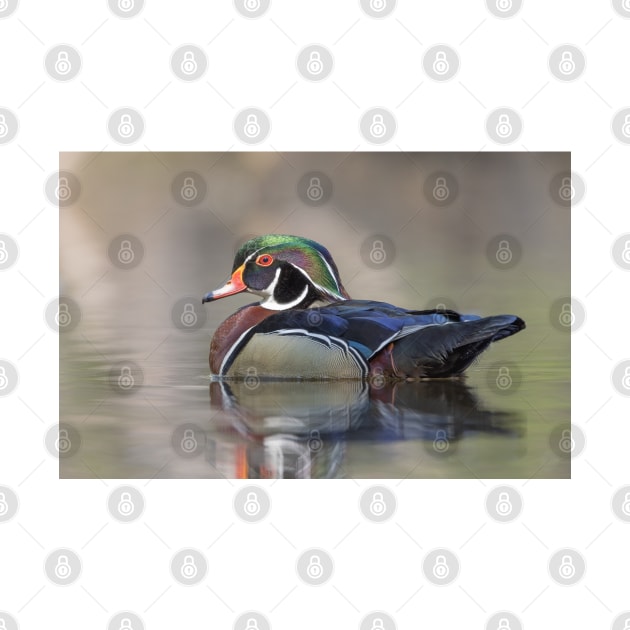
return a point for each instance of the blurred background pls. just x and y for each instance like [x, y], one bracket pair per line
[144, 235]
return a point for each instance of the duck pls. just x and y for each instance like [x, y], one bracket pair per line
[307, 327]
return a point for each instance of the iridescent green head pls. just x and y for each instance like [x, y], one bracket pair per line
[287, 271]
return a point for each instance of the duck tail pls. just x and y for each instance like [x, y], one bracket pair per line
[447, 350]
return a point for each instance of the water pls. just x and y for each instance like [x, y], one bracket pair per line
[180, 423]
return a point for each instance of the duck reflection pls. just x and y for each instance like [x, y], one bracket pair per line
[303, 429]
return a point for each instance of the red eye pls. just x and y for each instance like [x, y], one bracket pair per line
[264, 260]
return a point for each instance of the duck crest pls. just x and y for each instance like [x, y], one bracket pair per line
[309, 257]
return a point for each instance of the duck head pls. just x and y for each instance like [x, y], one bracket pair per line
[286, 271]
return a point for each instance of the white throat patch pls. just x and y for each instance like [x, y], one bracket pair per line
[270, 302]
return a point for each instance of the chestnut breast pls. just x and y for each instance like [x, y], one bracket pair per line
[231, 329]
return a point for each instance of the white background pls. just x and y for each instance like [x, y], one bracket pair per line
[252, 63]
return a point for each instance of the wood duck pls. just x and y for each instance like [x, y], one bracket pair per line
[308, 327]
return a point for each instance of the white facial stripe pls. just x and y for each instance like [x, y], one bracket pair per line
[332, 274]
[315, 284]
[271, 303]
[252, 255]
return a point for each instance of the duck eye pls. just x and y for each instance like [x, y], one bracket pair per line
[264, 260]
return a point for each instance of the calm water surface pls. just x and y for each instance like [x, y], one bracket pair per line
[166, 418]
